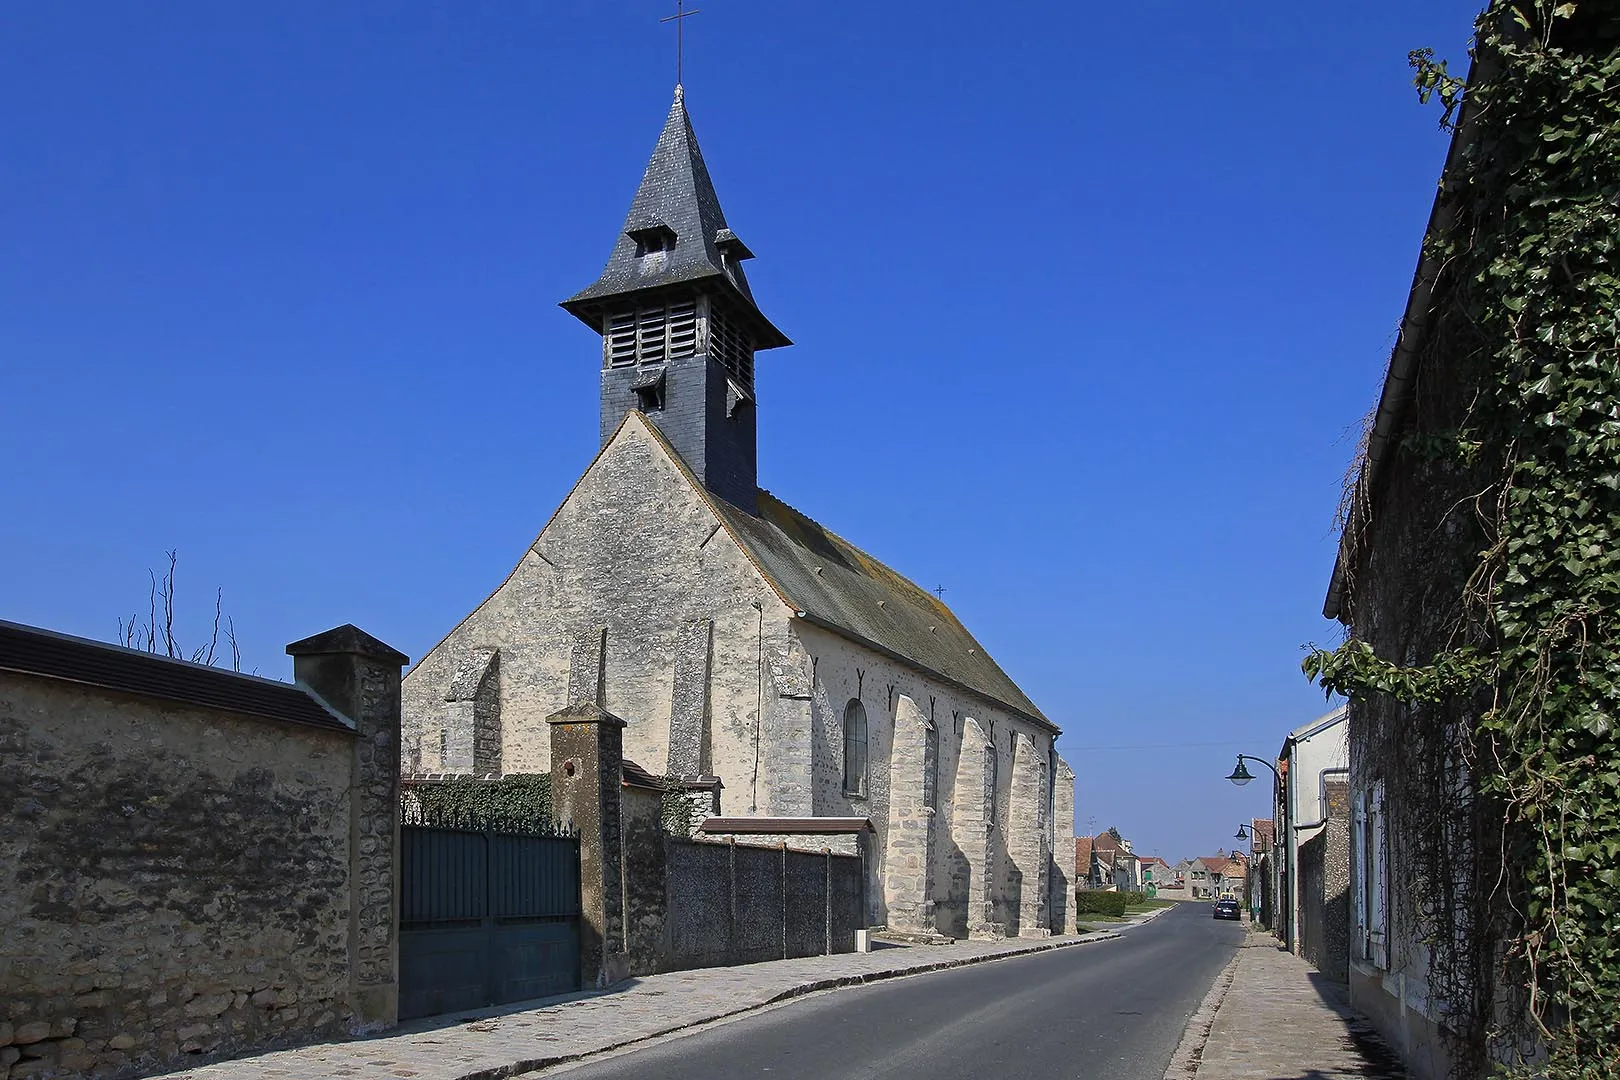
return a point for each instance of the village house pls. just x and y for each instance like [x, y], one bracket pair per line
[1313, 841]
[751, 650]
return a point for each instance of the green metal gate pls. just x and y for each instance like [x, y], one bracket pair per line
[489, 913]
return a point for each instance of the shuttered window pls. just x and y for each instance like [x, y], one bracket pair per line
[651, 333]
[730, 346]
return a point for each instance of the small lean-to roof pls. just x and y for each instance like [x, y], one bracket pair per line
[28, 650]
[836, 585]
[1082, 853]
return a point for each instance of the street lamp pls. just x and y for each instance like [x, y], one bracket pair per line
[1243, 830]
[1241, 775]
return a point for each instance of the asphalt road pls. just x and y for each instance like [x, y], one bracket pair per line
[1114, 1010]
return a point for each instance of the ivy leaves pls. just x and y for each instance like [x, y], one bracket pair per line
[1527, 314]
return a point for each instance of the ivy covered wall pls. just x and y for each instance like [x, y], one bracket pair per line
[1481, 558]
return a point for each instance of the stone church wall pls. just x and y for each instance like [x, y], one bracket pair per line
[179, 883]
[843, 670]
[631, 597]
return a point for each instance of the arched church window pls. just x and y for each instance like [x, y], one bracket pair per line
[855, 748]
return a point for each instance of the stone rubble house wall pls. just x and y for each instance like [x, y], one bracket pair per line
[181, 883]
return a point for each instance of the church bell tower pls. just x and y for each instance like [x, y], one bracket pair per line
[678, 322]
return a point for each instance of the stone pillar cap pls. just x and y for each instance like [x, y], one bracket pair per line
[347, 639]
[585, 712]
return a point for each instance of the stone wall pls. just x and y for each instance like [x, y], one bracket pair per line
[1060, 912]
[181, 883]
[733, 903]
[1324, 885]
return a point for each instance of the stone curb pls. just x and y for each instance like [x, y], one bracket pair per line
[530, 1065]
[1184, 1062]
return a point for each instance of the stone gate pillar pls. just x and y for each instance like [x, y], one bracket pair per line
[908, 854]
[1027, 835]
[359, 677]
[972, 820]
[587, 755]
[1061, 914]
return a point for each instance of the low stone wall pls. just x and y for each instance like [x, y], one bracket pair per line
[732, 903]
[180, 883]
[1324, 897]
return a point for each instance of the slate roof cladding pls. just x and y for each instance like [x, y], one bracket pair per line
[28, 650]
[676, 196]
[836, 585]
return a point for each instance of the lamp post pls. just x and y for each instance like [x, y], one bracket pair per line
[1240, 776]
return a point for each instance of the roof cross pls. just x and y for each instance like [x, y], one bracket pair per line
[679, 19]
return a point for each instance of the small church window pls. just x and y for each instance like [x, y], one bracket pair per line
[855, 748]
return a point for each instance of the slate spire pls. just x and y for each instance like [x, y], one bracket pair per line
[675, 234]
[678, 321]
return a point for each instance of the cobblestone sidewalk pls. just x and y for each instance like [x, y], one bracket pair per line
[1272, 1016]
[482, 1045]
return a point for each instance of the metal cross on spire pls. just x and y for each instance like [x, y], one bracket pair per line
[679, 19]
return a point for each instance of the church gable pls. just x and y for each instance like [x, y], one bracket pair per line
[633, 572]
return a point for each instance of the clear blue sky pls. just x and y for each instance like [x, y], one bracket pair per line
[1088, 300]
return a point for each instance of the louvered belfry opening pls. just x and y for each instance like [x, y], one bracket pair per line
[730, 347]
[679, 322]
[660, 329]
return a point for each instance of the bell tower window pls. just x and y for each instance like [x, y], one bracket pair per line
[650, 333]
[731, 348]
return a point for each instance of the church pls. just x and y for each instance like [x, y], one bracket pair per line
[745, 645]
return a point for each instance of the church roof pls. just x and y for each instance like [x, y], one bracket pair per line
[836, 585]
[676, 199]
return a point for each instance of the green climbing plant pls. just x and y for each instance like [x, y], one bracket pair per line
[1506, 702]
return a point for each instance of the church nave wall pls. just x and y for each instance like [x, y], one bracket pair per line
[845, 671]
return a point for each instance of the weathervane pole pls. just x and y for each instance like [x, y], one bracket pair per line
[679, 19]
